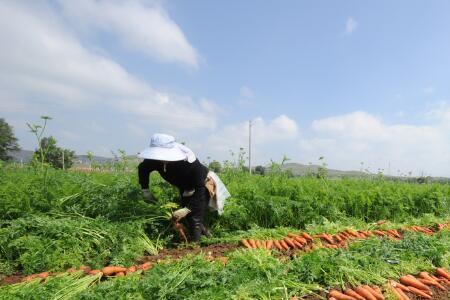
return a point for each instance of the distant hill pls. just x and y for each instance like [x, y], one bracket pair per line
[302, 170]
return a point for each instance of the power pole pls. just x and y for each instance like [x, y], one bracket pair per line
[250, 147]
[63, 160]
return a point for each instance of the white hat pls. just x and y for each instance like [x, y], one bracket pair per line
[163, 147]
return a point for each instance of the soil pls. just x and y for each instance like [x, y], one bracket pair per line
[211, 251]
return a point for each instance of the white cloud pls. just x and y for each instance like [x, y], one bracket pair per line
[350, 25]
[347, 140]
[140, 26]
[268, 138]
[43, 65]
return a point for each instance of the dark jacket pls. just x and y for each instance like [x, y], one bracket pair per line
[182, 174]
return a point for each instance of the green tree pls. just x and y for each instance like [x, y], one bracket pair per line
[8, 142]
[215, 166]
[55, 156]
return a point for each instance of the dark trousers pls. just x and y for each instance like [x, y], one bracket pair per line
[197, 203]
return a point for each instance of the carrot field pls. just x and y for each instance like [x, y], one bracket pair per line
[90, 235]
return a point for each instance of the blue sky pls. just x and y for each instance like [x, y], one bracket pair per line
[354, 81]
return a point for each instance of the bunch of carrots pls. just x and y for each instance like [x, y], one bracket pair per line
[419, 286]
[292, 241]
[106, 271]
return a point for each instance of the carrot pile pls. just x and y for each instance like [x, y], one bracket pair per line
[303, 241]
[106, 271]
[409, 286]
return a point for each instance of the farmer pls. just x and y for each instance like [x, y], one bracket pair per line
[178, 165]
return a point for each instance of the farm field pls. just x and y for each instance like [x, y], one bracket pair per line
[313, 238]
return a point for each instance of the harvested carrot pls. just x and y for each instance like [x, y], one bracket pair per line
[338, 238]
[290, 242]
[352, 232]
[94, 272]
[402, 293]
[284, 245]
[412, 281]
[299, 245]
[339, 296]
[111, 270]
[301, 240]
[375, 293]
[365, 293]
[307, 236]
[120, 274]
[419, 292]
[269, 244]
[442, 272]
[258, 244]
[131, 269]
[252, 243]
[43, 275]
[332, 298]
[379, 232]
[432, 283]
[145, 266]
[246, 244]
[399, 285]
[278, 245]
[71, 270]
[292, 235]
[354, 294]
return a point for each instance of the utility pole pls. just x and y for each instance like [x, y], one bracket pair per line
[63, 160]
[250, 147]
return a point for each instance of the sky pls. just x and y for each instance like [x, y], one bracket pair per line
[365, 84]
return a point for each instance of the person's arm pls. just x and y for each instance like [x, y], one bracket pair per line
[144, 170]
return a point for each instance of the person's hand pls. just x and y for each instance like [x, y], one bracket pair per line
[148, 197]
[180, 213]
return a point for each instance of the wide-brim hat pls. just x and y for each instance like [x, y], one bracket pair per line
[164, 147]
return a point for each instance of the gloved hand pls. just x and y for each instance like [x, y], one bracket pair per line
[148, 197]
[180, 213]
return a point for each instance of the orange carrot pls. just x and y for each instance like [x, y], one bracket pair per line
[145, 266]
[379, 232]
[412, 281]
[290, 242]
[111, 270]
[396, 293]
[258, 244]
[269, 244]
[252, 243]
[365, 293]
[43, 275]
[432, 282]
[246, 244]
[352, 232]
[399, 286]
[419, 292]
[284, 245]
[402, 293]
[301, 240]
[131, 269]
[442, 272]
[120, 274]
[292, 235]
[354, 294]
[375, 293]
[94, 272]
[339, 296]
[299, 245]
[278, 245]
[338, 238]
[307, 236]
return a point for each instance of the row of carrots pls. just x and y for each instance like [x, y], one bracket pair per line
[106, 271]
[304, 241]
[418, 286]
